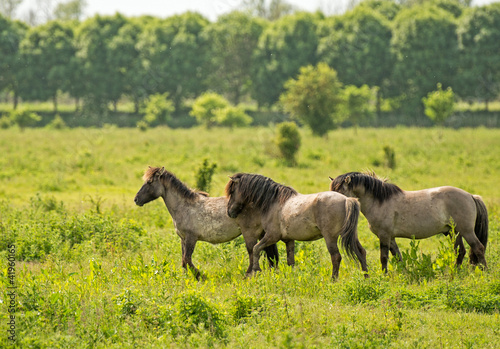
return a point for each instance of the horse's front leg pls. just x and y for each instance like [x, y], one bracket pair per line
[266, 240]
[250, 242]
[188, 244]
[290, 252]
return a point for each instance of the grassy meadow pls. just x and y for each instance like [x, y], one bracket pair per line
[94, 270]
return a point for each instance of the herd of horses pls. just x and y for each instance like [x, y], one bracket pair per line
[265, 212]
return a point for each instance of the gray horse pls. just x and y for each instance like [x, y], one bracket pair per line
[287, 215]
[392, 212]
[196, 216]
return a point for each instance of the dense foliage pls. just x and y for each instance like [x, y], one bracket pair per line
[403, 50]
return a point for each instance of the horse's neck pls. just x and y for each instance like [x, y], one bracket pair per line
[367, 203]
[175, 202]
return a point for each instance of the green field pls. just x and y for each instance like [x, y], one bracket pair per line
[94, 270]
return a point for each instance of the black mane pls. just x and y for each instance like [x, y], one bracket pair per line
[261, 191]
[172, 182]
[380, 189]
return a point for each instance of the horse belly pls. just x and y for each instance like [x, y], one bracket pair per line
[425, 219]
[210, 224]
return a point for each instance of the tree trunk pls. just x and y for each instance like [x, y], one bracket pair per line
[54, 99]
[15, 100]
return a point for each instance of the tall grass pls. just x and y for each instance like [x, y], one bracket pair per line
[94, 270]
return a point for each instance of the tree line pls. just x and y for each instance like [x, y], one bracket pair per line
[401, 51]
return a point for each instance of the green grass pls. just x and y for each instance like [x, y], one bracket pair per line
[94, 270]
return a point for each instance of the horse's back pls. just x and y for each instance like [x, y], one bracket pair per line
[304, 216]
[427, 212]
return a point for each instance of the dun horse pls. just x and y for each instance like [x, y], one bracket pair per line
[196, 216]
[392, 212]
[287, 215]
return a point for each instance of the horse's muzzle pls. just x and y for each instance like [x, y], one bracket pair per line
[137, 202]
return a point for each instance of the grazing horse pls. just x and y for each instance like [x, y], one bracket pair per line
[392, 212]
[196, 216]
[287, 215]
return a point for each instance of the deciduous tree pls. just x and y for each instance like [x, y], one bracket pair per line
[479, 38]
[314, 98]
[284, 47]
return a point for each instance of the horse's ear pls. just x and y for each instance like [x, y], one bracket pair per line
[160, 172]
[347, 180]
[234, 180]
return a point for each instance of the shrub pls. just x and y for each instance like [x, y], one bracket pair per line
[5, 122]
[195, 313]
[57, 123]
[158, 109]
[204, 175]
[24, 118]
[390, 157]
[357, 106]
[416, 266]
[439, 104]
[244, 305]
[361, 290]
[288, 141]
[314, 98]
[206, 106]
[142, 125]
[232, 117]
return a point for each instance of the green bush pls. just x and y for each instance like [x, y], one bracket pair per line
[232, 117]
[158, 109]
[288, 141]
[439, 104]
[205, 108]
[5, 122]
[390, 157]
[204, 175]
[361, 290]
[416, 265]
[24, 118]
[57, 123]
[197, 313]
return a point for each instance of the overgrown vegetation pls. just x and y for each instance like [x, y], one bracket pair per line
[95, 270]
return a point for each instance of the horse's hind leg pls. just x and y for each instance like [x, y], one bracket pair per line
[290, 252]
[476, 248]
[272, 254]
[395, 250]
[331, 244]
[460, 250]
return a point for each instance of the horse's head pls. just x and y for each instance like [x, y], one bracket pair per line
[152, 188]
[342, 184]
[235, 204]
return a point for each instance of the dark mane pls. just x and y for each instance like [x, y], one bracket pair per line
[380, 189]
[259, 190]
[172, 182]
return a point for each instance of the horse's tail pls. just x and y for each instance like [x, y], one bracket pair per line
[349, 232]
[481, 227]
